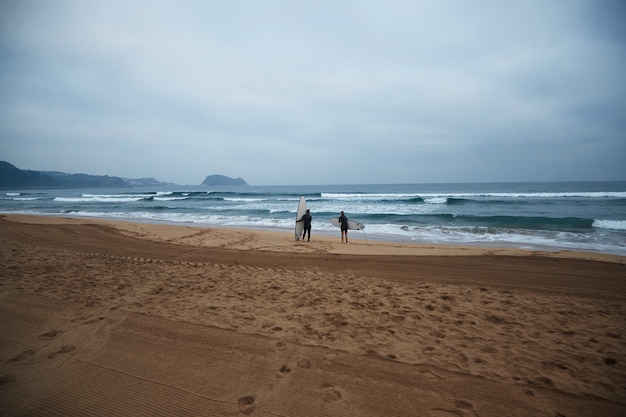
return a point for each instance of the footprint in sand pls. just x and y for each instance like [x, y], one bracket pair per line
[94, 320]
[464, 405]
[79, 319]
[50, 335]
[64, 349]
[461, 408]
[329, 392]
[304, 363]
[22, 356]
[246, 404]
[6, 379]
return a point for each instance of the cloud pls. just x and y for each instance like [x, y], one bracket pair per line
[285, 93]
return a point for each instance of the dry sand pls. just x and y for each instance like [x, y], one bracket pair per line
[113, 318]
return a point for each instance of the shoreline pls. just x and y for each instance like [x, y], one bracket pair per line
[227, 321]
[537, 216]
[180, 233]
[374, 237]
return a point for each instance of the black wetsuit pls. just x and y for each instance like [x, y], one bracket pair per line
[307, 225]
[344, 223]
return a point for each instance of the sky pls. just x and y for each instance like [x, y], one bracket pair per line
[324, 92]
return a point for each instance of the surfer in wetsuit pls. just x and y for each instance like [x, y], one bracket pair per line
[343, 224]
[306, 218]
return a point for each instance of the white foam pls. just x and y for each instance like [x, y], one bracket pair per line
[99, 199]
[537, 195]
[610, 224]
[368, 196]
[106, 196]
[436, 200]
[243, 199]
[398, 196]
[169, 198]
[508, 237]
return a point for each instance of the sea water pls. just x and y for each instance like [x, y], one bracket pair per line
[587, 216]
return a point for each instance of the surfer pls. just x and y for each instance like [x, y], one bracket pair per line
[306, 218]
[343, 222]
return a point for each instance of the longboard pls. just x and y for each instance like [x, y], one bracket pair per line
[352, 225]
[299, 213]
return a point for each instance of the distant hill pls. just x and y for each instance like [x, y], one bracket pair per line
[146, 182]
[84, 180]
[13, 177]
[221, 180]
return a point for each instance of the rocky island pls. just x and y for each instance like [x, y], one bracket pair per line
[217, 180]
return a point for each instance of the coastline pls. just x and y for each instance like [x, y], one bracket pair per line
[278, 327]
[529, 216]
[279, 240]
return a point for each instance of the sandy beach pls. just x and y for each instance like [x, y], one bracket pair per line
[125, 319]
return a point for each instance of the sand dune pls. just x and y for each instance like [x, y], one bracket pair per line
[112, 318]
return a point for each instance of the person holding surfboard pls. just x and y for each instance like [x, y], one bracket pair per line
[306, 218]
[346, 224]
[343, 222]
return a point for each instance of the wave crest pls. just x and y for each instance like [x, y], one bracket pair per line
[610, 224]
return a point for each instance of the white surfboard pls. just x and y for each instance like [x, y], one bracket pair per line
[301, 211]
[352, 225]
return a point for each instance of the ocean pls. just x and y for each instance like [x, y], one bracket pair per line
[589, 216]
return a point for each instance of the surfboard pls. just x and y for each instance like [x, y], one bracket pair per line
[352, 225]
[299, 214]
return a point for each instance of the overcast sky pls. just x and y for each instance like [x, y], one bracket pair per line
[323, 92]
